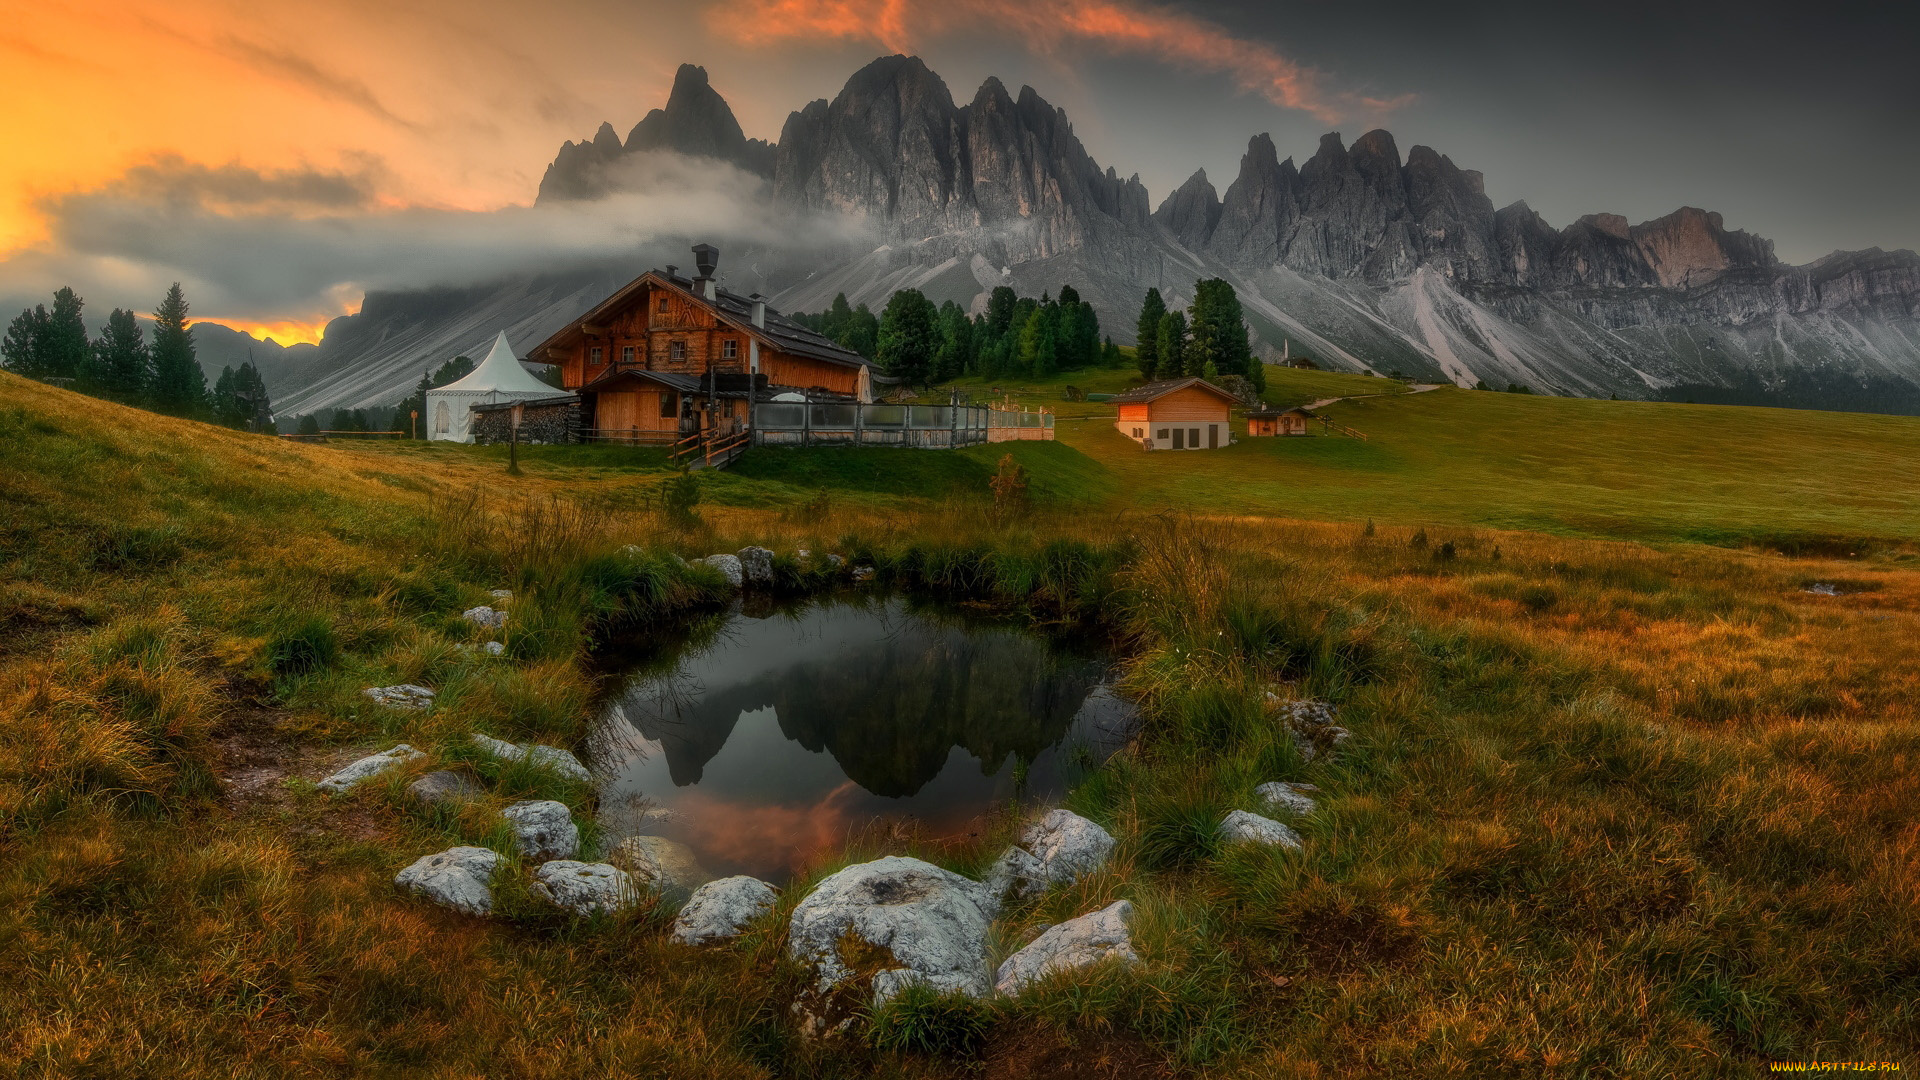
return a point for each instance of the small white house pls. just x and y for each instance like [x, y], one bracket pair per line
[498, 378]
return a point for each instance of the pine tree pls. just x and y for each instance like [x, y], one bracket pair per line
[954, 354]
[1147, 353]
[179, 386]
[1219, 331]
[1000, 304]
[251, 391]
[65, 349]
[1170, 345]
[227, 409]
[863, 332]
[1039, 354]
[121, 366]
[412, 412]
[907, 337]
[23, 349]
[453, 371]
[309, 425]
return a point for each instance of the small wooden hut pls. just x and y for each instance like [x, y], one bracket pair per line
[1271, 421]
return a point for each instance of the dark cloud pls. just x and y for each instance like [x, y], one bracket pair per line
[289, 66]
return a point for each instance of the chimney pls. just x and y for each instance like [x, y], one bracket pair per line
[759, 310]
[672, 271]
[706, 257]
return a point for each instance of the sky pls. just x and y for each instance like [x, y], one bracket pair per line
[281, 159]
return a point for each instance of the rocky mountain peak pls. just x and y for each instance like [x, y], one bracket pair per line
[1191, 211]
[697, 122]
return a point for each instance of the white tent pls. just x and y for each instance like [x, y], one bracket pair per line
[498, 378]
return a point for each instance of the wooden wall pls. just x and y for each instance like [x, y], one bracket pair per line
[1190, 405]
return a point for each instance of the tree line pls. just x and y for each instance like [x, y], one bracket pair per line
[1208, 339]
[914, 341]
[162, 375]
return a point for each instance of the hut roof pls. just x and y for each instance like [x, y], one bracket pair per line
[1156, 390]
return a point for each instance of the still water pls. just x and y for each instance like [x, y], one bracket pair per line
[770, 738]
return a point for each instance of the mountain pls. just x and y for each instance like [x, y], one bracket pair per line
[1359, 258]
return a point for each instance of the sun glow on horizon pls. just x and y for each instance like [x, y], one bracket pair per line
[283, 332]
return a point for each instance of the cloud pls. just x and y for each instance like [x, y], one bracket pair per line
[1048, 27]
[289, 66]
[259, 247]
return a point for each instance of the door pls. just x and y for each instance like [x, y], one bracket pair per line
[1179, 438]
[1213, 436]
[1193, 438]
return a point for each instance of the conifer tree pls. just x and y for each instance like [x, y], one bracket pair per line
[121, 366]
[453, 371]
[863, 332]
[1147, 353]
[65, 350]
[954, 354]
[309, 425]
[1170, 345]
[907, 337]
[23, 349]
[179, 386]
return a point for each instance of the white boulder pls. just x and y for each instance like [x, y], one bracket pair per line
[1291, 798]
[1076, 943]
[500, 594]
[660, 864]
[835, 562]
[729, 567]
[367, 767]
[1240, 827]
[1067, 845]
[552, 758]
[863, 573]
[543, 829]
[931, 923]
[459, 878]
[1016, 875]
[721, 909]
[584, 888]
[443, 786]
[401, 696]
[485, 616]
[756, 564]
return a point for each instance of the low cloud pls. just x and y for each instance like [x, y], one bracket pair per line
[258, 247]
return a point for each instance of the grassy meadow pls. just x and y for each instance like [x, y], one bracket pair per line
[1623, 799]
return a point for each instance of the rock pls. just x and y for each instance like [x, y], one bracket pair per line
[370, 766]
[443, 786]
[584, 888]
[721, 909]
[485, 616]
[729, 567]
[460, 878]
[1314, 732]
[836, 561]
[501, 594]
[863, 573]
[1822, 588]
[543, 829]
[1076, 943]
[930, 923]
[403, 696]
[756, 563]
[1016, 875]
[1240, 827]
[1067, 845]
[1292, 798]
[802, 553]
[661, 865]
[494, 648]
[558, 761]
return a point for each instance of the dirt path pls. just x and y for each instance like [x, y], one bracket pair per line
[1416, 388]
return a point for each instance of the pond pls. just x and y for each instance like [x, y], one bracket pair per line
[769, 738]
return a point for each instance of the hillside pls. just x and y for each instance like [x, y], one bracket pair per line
[1607, 808]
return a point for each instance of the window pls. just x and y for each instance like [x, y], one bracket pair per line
[626, 354]
[594, 354]
[677, 350]
[442, 417]
[1136, 433]
[662, 308]
[669, 404]
[1163, 433]
[729, 350]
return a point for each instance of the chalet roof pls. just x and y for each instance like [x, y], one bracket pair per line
[678, 382]
[552, 399]
[500, 372]
[780, 332]
[1275, 410]
[1156, 390]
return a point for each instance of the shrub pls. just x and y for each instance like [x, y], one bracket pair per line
[301, 645]
[922, 1020]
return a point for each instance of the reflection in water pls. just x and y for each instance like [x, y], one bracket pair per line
[790, 732]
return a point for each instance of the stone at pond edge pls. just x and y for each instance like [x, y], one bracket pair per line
[756, 564]
[930, 923]
[729, 567]
[401, 696]
[1076, 943]
[721, 909]
[584, 888]
[460, 878]
[543, 829]
[1016, 875]
[661, 865]
[1067, 845]
[1292, 798]
[1241, 827]
[367, 767]
[485, 616]
[558, 761]
[443, 786]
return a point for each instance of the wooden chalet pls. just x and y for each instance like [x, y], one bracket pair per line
[1271, 421]
[1177, 414]
[668, 357]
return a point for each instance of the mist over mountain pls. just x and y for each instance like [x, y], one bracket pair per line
[1359, 257]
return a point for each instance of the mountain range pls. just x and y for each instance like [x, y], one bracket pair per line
[1359, 258]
